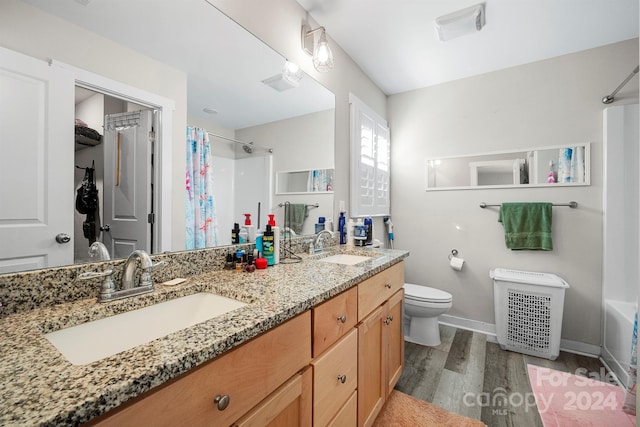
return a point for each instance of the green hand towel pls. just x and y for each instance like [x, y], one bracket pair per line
[298, 212]
[527, 225]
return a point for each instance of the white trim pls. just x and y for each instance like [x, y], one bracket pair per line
[164, 161]
[489, 329]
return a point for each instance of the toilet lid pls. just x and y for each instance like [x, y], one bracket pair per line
[425, 293]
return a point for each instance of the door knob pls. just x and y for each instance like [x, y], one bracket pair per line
[105, 227]
[63, 238]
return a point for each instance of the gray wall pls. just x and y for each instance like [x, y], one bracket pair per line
[546, 103]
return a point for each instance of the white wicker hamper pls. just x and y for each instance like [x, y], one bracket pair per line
[528, 310]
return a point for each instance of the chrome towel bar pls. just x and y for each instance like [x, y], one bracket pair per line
[572, 205]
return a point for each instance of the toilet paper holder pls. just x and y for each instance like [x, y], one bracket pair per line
[452, 254]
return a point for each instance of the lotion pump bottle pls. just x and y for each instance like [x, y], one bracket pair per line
[251, 229]
[276, 239]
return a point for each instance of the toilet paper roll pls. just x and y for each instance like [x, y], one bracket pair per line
[456, 263]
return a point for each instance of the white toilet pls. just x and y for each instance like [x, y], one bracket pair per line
[422, 306]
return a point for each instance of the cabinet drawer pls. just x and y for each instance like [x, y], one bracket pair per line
[335, 377]
[379, 288]
[348, 414]
[246, 375]
[333, 318]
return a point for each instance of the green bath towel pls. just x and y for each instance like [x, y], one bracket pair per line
[527, 225]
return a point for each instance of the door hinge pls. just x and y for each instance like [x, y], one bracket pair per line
[152, 136]
[151, 218]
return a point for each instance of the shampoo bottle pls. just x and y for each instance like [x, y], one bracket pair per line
[235, 234]
[368, 225]
[267, 245]
[342, 229]
[360, 233]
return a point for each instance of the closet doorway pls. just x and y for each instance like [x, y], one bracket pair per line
[114, 141]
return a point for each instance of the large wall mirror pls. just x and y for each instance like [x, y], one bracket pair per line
[257, 122]
[556, 166]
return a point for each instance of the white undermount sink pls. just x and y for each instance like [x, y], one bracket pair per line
[345, 259]
[91, 341]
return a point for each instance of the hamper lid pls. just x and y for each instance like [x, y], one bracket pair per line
[528, 277]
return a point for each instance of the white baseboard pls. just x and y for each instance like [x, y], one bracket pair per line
[489, 329]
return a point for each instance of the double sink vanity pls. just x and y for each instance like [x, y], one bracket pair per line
[317, 342]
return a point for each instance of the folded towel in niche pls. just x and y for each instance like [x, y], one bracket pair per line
[527, 225]
[298, 212]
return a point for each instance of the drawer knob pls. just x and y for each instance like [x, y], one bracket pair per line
[342, 378]
[343, 318]
[222, 401]
[387, 285]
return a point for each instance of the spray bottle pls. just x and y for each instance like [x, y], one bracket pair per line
[389, 224]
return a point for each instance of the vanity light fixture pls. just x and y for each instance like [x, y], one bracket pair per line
[321, 52]
[460, 23]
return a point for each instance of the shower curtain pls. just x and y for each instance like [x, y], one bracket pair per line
[200, 218]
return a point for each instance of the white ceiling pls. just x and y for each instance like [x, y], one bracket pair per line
[395, 42]
[225, 64]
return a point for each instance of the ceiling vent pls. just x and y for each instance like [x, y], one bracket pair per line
[460, 23]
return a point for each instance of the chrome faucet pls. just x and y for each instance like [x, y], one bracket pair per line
[316, 244]
[128, 287]
[129, 270]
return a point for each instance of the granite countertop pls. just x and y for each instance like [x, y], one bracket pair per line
[38, 386]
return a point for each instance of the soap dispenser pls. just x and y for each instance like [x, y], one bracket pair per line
[251, 229]
[276, 239]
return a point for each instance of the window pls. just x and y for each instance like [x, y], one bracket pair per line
[370, 165]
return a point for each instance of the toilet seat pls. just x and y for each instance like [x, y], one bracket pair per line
[426, 294]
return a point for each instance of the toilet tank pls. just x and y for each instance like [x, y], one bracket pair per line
[528, 311]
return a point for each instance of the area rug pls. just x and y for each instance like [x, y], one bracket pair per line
[567, 400]
[402, 410]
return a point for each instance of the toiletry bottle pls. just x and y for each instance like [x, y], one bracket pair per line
[320, 224]
[368, 225]
[328, 224]
[251, 229]
[276, 239]
[360, 233]
[342, 229]
[350, 232]
[235, 234]
[267, 245]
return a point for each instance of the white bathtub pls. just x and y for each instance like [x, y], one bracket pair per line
[618, 330]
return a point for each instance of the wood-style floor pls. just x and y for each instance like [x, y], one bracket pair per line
[471, 376]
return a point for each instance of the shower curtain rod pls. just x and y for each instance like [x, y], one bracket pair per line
[610, 98]
[251, 144]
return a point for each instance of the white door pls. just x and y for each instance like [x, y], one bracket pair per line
[36, 163]
[127, 182]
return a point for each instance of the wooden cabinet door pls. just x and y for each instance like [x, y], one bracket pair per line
[289, 406]
[371, 361]
[395, 340]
